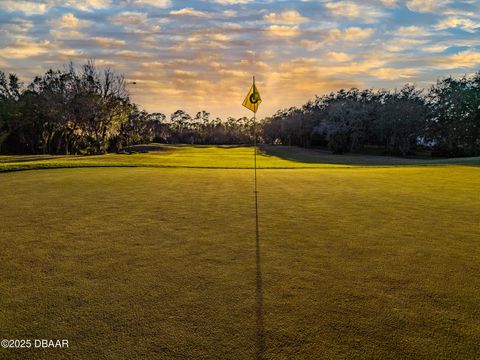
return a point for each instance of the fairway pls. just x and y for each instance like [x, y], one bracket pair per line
[219, 157]
[159, 261]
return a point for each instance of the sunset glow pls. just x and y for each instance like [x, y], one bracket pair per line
[200, 55]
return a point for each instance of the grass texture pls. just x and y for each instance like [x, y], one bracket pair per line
[162, 263]
[221, 157]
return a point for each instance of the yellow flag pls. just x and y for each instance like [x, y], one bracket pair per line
[253, 99]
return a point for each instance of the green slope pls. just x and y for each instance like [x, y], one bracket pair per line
[218, 157]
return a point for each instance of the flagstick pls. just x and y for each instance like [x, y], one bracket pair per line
[259, 284]
[255, 149]
[255, 141]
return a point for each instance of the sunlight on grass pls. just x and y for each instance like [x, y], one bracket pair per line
[226, 157]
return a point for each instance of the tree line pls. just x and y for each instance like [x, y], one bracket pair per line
[88, 111]
[444, 120]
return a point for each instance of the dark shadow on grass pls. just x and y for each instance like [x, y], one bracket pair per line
[208, 146]
[146, 148]
[318, 156]
[25, 158]
[259, 291]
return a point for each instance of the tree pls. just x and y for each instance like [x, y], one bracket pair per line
[158, 127]
[347, 119]
[454, 124]
[107, 103]
[9, 95]
[180, 122]
[87, 110]
[401, 120]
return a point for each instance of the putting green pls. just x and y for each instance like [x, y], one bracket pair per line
[160, 263]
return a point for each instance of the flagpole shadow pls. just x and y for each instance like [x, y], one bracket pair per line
[260, 336]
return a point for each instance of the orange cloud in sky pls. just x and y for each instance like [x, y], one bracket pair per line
[201, 55]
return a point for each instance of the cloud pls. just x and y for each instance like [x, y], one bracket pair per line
[86, 5]
[461, 12]
[69, 21]
[69, 54]
[42, 6]
[230, 2]
[344, 8]
[18, 27]
[68, 27]
[107, 42]
[24, 48]
[185, 73]
[349, 34]
[455, 22]
[402, 44]
[410, 31]
[27, 7]
[339, 56]
[334, 36]
[182, 54]
[129, 18]
[291, 17]
[389, 3]
[434, 48]
[209, 38]
[283, 30]
[302, 78]
[424, 6]
[219, 37]
[310, 44]
[230, 13]
[352, 10]
[155, 3]
[394, 73]
[464, 59]
[130, 54]
[188, 12]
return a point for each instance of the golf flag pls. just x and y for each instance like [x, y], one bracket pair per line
[253, 99]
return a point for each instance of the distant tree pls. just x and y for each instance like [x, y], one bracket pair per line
[351, 120]
[158, 127]
[10, 90]
[203, 128]
[87, 110]
[107, 99]
[180, 123]
[272, 129]
[401, 120]
[51, 102]
[136, 130]
[454, 124]
[347, 120]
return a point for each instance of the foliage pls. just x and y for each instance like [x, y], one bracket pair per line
[455, 122]
[88, 111]
[446, 119]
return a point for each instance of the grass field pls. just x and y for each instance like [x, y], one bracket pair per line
[160, 261]
[223, 157]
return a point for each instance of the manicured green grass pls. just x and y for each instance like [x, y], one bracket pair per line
[223, 157]
[160, 263]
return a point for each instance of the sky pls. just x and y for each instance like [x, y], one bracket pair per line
[202, 54]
